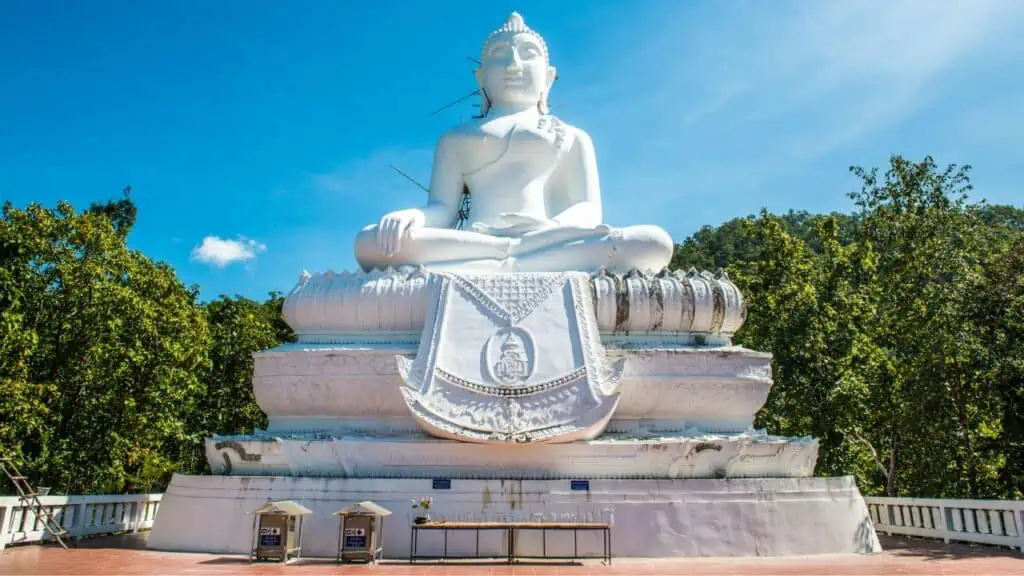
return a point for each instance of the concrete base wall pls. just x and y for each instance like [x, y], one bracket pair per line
[651, 518]
[706, 456]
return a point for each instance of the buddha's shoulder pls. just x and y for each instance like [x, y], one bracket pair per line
[462, 131]
[573, 134]
[569, 137]
[460, 136]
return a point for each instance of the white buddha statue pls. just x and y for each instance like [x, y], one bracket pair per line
[536, 198]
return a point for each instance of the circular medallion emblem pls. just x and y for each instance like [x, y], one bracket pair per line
[510, 356]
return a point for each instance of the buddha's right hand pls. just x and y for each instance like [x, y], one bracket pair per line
[558, 236]
[516, 224]
[394, 227]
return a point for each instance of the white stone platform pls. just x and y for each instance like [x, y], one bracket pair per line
[651, 518]
[665, 388]
[418, 455]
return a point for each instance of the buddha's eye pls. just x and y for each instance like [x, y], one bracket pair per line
[499, 51]
[529, 51]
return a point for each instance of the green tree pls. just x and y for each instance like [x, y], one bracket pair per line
[120, 343]
[895, 330]
[121, 213]
[23, 404]
[238, 328]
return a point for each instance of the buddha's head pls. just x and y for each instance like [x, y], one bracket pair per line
[514, 68]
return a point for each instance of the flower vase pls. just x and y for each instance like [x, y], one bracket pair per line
[421, 519]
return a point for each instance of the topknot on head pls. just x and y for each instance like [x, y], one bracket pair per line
[515, 24]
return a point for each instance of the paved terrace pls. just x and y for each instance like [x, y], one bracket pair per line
[127, 555]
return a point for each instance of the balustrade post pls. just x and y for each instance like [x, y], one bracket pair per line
[78, 520]
[943, 515]
[138, 512]
[6, 513]
[1019, 517]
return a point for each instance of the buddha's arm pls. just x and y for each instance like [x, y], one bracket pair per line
[578, 185]
[446, 184]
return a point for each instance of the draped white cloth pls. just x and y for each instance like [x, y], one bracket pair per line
[511, 358]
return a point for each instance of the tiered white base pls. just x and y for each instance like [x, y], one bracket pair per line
[652, 518]
[327, 388]
[416, 455]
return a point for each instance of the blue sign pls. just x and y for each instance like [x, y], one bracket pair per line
[355, 542]
[579, 484]
[442, 483]
[269, 540]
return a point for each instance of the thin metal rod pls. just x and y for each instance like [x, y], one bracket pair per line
[409, 178]
[453, 103]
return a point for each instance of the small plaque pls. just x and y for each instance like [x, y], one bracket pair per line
[442, 483]
[579, 484]
[270, 540]
[358, 542]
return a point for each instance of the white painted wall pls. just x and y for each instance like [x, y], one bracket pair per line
[652, 518]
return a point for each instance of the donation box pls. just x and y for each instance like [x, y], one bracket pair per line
[276, 537]
[359, 532]
[277, 531]
[359, 537]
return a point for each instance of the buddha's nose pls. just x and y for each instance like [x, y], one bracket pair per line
[514, 62]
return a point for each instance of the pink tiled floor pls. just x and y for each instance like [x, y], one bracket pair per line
[126, 555]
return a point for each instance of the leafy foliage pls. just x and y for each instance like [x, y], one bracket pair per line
[112, 371]
[895, 330]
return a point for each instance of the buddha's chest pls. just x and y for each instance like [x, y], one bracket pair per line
[533, 147]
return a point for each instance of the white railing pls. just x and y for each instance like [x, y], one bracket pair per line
[984, 521]
[79, 515]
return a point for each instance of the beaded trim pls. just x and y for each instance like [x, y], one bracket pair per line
[570, 378]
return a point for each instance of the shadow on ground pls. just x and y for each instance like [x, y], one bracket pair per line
[243, 560]
[136, 541]
[938, 550]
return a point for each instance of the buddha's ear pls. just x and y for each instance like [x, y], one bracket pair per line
[485, 103]
[552, 76]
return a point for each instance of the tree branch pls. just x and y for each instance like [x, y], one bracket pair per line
[874, 453]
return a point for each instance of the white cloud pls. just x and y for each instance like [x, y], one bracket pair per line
[220, 252]
[821, 75]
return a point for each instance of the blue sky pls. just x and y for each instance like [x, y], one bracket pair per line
[258, 134]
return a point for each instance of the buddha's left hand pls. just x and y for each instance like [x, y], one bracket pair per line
[518, 225]
[558, 235]
[527, 222]
[546, 226]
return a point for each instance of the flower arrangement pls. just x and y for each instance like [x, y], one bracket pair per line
[424, 505]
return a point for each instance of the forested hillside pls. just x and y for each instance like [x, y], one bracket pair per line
[896, 330]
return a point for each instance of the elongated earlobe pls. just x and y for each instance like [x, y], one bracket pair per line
[485, 103]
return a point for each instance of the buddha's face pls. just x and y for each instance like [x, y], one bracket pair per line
[514, 70]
